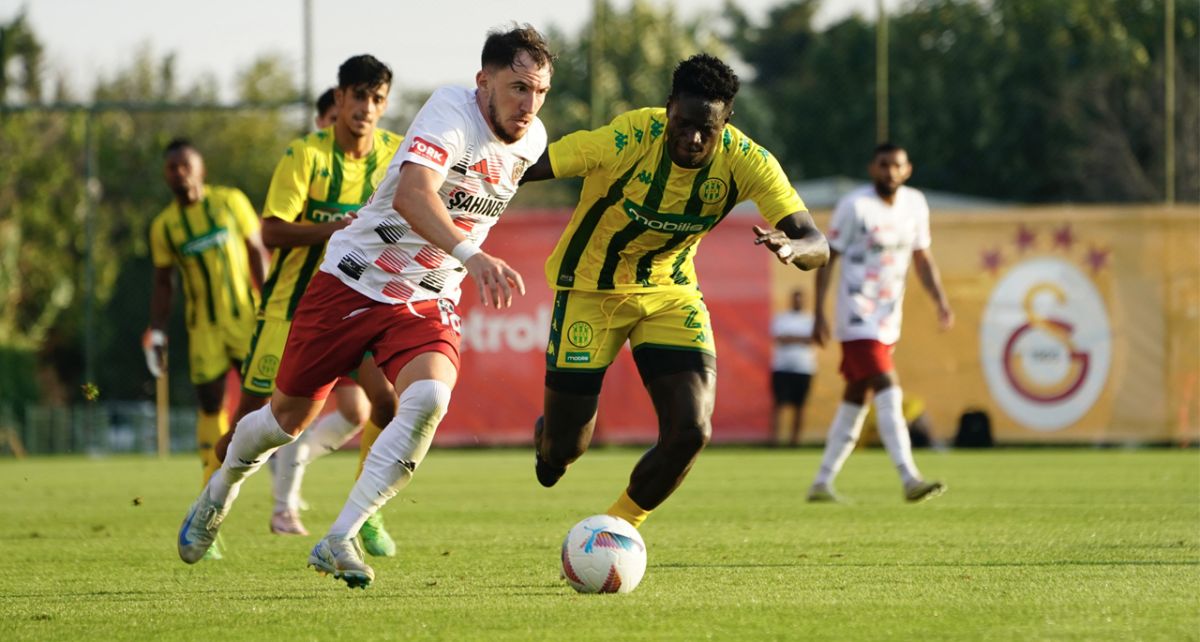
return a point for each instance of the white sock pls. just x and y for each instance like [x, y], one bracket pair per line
[325, 436]
[395, 455]
[257, 436]
[893, 432]
[839, 443]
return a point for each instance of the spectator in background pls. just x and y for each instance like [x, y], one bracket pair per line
[326, 108]
[792, 367]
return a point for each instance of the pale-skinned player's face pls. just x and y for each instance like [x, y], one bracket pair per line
[889, 170]
[359, 108]
[513, 95]
[694, 127]
[183, 170]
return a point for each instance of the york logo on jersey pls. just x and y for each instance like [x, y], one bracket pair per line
[482, 205]
[209, 240]
[428, 150]
[666, 222]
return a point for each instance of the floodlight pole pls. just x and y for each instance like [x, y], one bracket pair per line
[1169, 99]
[595, 54]
[881, 74]
[91, 193]
[308, 60]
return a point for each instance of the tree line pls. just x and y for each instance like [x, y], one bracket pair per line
[1018, 100]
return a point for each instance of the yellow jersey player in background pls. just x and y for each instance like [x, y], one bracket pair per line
[318, 185]
[211, 234]
[655, 182]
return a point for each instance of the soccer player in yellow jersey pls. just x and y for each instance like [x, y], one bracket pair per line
[655, 181]
[318, 185]
[211, 234]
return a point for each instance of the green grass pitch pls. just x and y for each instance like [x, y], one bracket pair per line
[1027, 544]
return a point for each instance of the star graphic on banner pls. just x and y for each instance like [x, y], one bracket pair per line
[1025, 238]
[1064, 237]
[1097, 258]
[992, 261]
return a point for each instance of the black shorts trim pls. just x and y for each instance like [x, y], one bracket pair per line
[790, 387]
[654, 361]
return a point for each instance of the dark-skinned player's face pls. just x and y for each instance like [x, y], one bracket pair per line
[359, 107]
[889, 170]
[183, 170]
[694, 127]
[514, 95]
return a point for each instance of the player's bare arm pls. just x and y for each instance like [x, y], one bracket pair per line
[539, 171]
[931, 280]
[795, 240]
[277, 232]
[820, 323]
[154, 341]
[417, 200]
[258, 255]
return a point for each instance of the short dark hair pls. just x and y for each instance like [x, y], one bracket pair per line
[501, 47]
[178, 144]
[325, 101]
[706, 77]
[364, 70]
[887, 147]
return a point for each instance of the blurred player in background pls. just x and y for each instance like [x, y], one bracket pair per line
[390, 283]
[318, 185]
[327, 108]
[793, 364]
[655, 181]
[879, 228]
[211, 234]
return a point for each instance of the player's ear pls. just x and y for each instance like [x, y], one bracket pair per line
[481, 79]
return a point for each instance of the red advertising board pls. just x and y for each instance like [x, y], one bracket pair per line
[499, 391]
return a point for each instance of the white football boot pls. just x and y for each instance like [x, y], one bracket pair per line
[343, 558]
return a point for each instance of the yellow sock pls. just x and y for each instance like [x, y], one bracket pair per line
[628, 510]
[370, 433]
[209, 429]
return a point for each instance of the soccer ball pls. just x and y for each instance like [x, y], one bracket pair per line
[603, 554]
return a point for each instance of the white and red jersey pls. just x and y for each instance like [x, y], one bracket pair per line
[876, 242]
[380, 255]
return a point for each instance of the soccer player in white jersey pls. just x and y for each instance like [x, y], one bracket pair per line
[877, 228]
[389, 284]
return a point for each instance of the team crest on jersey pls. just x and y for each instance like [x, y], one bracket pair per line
[713, 190]
[518, 170]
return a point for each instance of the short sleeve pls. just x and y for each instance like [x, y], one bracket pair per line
[923, 239]
[841, 226]
[584, 152]
[288, 193]
[243, 213]
[160, 246]
[436, 138]
[766, 183]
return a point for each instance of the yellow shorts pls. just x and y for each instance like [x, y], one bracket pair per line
[212, 348]
[266, 349]
[588, 328]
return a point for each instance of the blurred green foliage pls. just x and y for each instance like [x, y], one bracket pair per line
[1021, 100]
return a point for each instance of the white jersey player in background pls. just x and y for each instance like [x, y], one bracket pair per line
[878, 228]
[389, 284]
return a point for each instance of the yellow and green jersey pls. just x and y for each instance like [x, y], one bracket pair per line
[640, 216]
[207, 240]
[314, 183]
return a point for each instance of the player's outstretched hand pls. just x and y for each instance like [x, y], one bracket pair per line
[495, 280]
[154, 344]
[776, 241]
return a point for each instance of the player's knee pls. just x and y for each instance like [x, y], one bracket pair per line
[427, 400]
[692, 437]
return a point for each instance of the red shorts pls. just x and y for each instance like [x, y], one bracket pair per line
[864, 358]
[334, 325]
